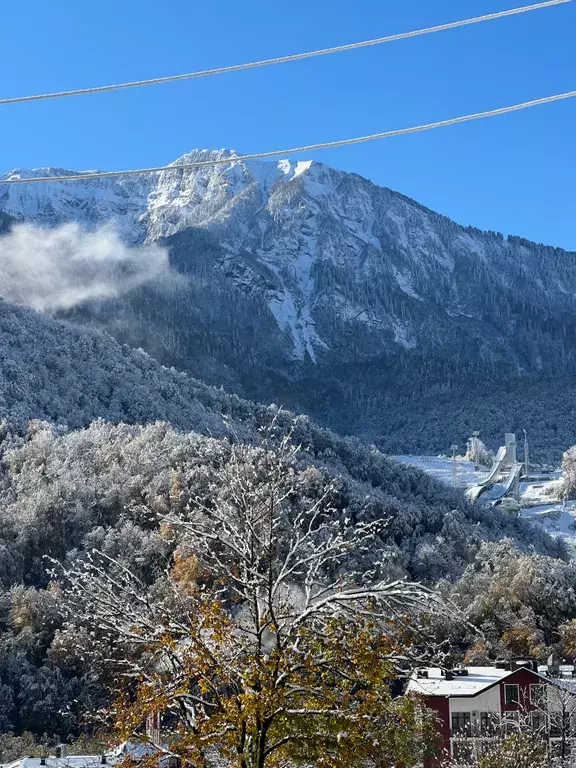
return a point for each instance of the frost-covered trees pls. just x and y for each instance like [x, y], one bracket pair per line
[568, 487]
[54, 371]
[66, 490]
[520, 601]
[513, 750]
[63, 493]
[478, 452]
[267, 640]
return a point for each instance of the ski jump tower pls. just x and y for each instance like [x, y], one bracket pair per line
[511, 464]
[510, 443]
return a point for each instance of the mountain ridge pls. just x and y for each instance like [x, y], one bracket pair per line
[319, 289]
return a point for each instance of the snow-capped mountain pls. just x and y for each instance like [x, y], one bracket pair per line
[317, 288]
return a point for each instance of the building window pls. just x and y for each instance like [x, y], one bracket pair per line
[539, 723]
[461, 722]
[538, 696]
[484, 747]
[511, 695]
[488, 722]
[462, 752]
[511, 721]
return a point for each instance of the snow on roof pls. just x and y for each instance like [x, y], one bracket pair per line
[70, 761]
[567, 685]
[477, 680]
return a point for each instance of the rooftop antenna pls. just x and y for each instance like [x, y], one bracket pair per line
[454, 448]
[526, 455]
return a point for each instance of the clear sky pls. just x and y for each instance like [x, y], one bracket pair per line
[515, 174]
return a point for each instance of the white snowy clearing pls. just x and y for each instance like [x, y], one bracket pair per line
[538, 498]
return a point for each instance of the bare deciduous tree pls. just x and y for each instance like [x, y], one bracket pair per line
[266, 640]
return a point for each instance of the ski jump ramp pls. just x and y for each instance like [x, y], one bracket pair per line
[496, 467]
[514, 475]
[476, 491]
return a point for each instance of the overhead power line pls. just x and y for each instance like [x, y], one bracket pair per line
[296, 150]
[285, 59]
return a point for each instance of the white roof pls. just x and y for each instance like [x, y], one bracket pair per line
[71, 761]
[477, 680]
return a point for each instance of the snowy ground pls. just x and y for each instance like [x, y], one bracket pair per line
[441, 468]
[538, 498]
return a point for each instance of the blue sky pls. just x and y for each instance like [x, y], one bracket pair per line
[515, 174]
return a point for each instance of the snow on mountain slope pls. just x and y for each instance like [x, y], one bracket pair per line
[297, 219]
[318, 289]
[333, 244]
[91, 203]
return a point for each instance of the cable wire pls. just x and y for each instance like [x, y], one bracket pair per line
[295, 150]
[285, 59]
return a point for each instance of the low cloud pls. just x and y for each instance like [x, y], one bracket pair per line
[52, 269]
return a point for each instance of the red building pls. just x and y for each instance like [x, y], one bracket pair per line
[476, 705]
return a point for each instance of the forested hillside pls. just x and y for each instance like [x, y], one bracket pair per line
[63, 494]
[404, 423]
[69, 484]
[52, 370]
